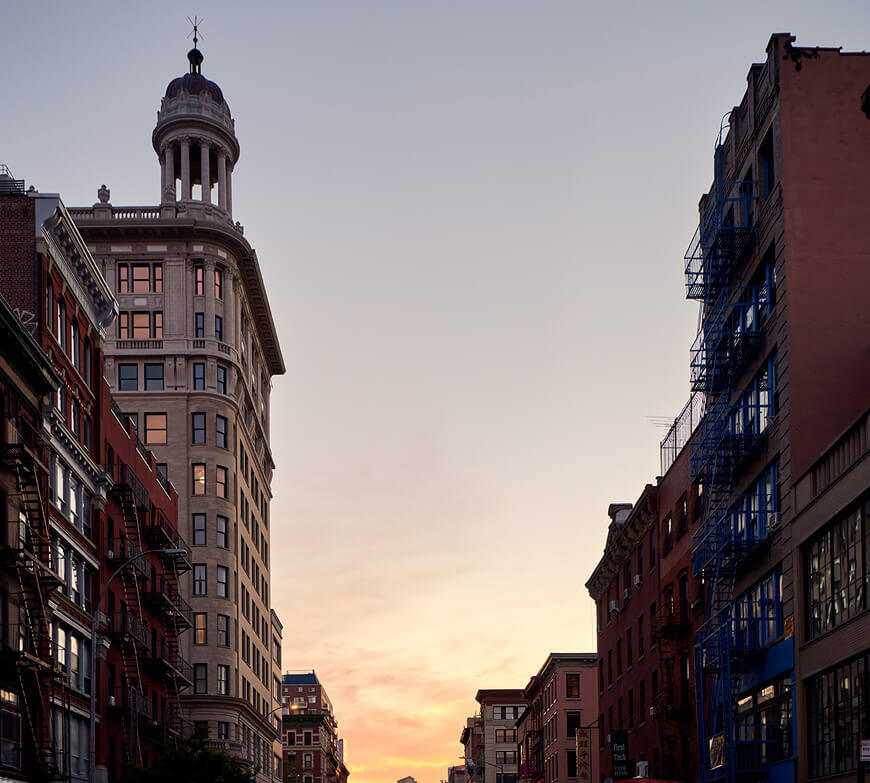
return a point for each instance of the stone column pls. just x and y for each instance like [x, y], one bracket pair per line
[222, 179]
[169, 166]
[185, 169]
[204, 171]
[230, 190]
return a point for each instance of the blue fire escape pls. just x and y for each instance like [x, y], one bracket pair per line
[733, 428]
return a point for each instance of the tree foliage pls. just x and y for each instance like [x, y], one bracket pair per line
[190, 760]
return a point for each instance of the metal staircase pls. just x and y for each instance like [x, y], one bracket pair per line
[40, 678]
[730, 432]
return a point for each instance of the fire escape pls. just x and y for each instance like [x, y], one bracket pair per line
[531, 767]
[732, 430]
[670, 706]
[29, 651]
[164, 597]
[127, 626]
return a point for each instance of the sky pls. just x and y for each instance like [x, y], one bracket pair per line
[471, 220]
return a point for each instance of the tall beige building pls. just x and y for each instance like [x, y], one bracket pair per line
[191, 360]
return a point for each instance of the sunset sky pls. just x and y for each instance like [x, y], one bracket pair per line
[471, 218]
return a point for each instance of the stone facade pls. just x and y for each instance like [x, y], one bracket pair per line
[191, 362]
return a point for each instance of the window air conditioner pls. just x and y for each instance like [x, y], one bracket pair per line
[643, 769]
[110, 555]
[773, 520]
[638, 581]
[626, 594]
[111, 701]
[614, 605]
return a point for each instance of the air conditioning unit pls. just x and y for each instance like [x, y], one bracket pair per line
[626, 594]
[638, 581]
[774, 520]
[643, 769]
[110, 555]
[111, 701]
[614, 606]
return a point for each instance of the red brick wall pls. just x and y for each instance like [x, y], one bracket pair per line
[18, 273]
[826, 200]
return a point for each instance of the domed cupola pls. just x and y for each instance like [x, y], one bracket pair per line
[196, 142]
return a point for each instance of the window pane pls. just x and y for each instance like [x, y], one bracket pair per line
[128, 377]
[155, 428]
[141, 325]
[153, 377]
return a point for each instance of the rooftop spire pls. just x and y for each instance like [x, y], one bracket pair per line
[194, 55]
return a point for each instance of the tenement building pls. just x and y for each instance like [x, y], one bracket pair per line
[776, 447]
[190, 361]
[562, 703]
[91, 530]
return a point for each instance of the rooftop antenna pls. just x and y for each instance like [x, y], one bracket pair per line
[194, 55]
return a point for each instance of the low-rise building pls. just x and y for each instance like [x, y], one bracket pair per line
[562, 700]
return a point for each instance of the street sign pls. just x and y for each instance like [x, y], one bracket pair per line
[619, 754]
[865, 750]
[584, 756]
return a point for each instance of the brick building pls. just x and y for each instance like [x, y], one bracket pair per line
[312, 751]
[770, 453]
[562, 699]
[29, 683]
[103, 493]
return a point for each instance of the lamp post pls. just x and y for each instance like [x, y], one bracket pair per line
[470, 763]
[94, 622]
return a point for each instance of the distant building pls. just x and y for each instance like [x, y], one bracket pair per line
[312, 751]
[562, 699]
[456, 774]
[495, 761]
[471, 740]
[407, 780]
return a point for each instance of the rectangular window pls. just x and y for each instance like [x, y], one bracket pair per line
[199, 483]
[758, 618]
[199, 535]
[200, 629]
[223, 679]
[652, 548]
[218, 283]
[837, 707]
[572, 685]
[128, 377]
[223, 630]
[221, 379]
[505, 757]
[198, 280]
[506, 735]
[123, 278]
[222, 536]
[141, 278]
[221, 482]
[200, 678]
[223, 582]
[199, 324]
[219, 328]
[124, 331]
[197, 426]
[141, 325]
[640, 641]
[221, 431]
[153, 377]
[199, 376]
[837, 572]
[155, 428]
[200, 579]
[223, 730]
